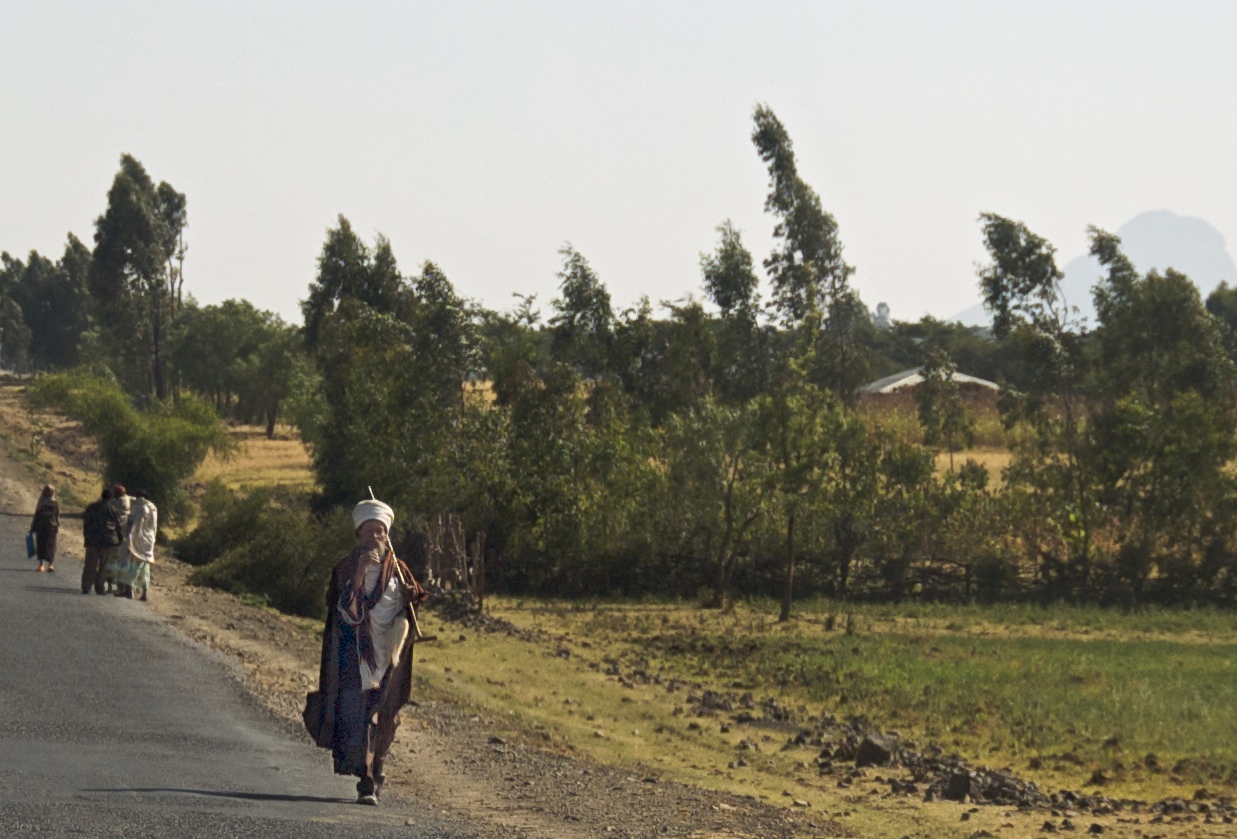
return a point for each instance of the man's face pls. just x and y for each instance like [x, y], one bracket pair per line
[373, 534]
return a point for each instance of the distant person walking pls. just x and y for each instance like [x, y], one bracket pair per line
[143, 524]
[366, 669]
[101, 531]
[45, 526]
[122, 502]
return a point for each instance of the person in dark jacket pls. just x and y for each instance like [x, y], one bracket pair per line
[45, 526]
[365, 675]
[101, 531]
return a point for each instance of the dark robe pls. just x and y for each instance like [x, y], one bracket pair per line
[376, 711]
[45, 526]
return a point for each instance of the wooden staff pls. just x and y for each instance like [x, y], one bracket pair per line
[418, 637]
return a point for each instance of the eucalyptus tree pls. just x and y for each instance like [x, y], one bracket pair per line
[209, 346]
[742, 362]
[348, 269]
[54, 299]
[809, 277]
[15, 336]
[821, 317]
[137, 274]
[582, 328]
[393, 354]
[1163, 429]
[1022, 290]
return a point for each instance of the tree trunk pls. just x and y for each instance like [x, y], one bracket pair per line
[790, 567]
[724, 560]
[271, 415]
[157, 339]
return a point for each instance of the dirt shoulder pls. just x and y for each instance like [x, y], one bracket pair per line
[453, 758]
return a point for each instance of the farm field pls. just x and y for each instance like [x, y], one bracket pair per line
[258, 461]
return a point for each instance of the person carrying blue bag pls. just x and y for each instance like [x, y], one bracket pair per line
[44, 527]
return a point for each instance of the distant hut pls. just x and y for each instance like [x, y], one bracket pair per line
[898, 391]
[912, 377]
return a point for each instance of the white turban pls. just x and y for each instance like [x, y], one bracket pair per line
[372, 511]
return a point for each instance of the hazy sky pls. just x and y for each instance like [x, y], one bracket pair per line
[483, 136]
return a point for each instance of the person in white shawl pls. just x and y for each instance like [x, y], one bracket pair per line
[140, 544]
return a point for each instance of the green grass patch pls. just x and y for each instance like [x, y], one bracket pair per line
[1053, 692]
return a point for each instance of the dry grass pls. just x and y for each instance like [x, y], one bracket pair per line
[53, 448]
[994, 460]
[259, 462]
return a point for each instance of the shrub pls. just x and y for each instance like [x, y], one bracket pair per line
[265, 544]
[155, 449]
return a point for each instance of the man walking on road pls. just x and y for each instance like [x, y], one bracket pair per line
[101, 531]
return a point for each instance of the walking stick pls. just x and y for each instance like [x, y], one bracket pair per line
[418, 637]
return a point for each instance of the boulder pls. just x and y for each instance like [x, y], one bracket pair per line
[875, 750]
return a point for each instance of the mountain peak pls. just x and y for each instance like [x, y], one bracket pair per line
[1156, 239]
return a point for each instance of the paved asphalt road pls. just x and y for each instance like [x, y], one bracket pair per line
[112, 725]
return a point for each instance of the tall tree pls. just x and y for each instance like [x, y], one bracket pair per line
[137, 273]
[14, 336]
[349, 270]
[1022, 290]
[729, 279]
[445, 329]
[55, 302]
[1162, 429]
[810, 278]
[209, 345]
[732, 285]
[583, 322]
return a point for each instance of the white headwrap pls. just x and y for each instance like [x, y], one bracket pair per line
[372, 510]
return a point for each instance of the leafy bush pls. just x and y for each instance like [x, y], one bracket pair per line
[155, 449]
[230, 518]
[264, 544]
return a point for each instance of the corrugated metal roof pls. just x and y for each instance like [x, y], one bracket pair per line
[912, 377]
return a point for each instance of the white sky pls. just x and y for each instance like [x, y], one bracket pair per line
[485, 135]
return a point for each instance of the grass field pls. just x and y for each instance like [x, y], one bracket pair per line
[1054, 693]
[283, 461]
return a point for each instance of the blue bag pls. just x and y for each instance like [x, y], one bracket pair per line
[29, 545]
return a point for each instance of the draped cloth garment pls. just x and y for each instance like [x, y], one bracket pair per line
[365, 675]
[137, 553]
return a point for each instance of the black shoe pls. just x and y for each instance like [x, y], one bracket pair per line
[85, 591]
[366, 792]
